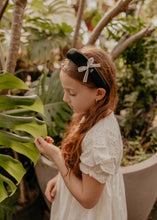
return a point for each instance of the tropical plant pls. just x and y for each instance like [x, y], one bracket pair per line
[17, 133]
[137, 91]
[43, 31]
[42, 37]
[56, 10]
[56, 112]
[138, 96]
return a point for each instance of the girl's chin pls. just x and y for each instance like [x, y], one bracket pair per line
[78, 112]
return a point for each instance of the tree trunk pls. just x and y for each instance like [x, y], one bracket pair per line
[3, 5]
[19, 6]
[2, 61]
[119, 7]
[78, 23]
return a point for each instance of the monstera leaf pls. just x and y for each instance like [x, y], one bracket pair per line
[17, 132]
[57, 113]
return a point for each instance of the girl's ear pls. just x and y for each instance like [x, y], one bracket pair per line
[100, 94]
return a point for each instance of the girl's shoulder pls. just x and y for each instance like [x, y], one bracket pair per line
[107, 129]
[107, 123]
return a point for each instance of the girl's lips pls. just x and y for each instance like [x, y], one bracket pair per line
[70, 106]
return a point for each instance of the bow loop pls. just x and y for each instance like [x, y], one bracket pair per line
[90, 64]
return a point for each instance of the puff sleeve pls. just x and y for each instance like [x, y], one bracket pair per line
[101, 152]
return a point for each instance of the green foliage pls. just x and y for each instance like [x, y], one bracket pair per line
[137, 90]
[137, 80]
[43, 35]
[30, 102]
[47, 25]
[47, 29]
[92, 15]
[57, 113]
[28, 128]
[134, 152]
[117, 28]
[8, 206]
[56, 10]
[8, 81]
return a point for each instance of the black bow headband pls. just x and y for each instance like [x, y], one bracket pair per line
[85, 64]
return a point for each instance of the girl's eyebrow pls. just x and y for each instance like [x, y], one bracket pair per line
[69, 88]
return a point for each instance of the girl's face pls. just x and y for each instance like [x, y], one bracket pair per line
[78, 96]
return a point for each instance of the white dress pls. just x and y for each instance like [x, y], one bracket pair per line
[102, 151]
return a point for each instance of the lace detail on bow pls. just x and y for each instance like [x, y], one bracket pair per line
[90, 64]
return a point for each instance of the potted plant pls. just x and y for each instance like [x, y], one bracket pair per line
[140, 185]
[137, 109]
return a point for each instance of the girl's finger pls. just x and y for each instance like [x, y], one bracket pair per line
[37, 144]
[40, 140]
[49, 189]
[48, 196]
[49, 140]
[53, 192]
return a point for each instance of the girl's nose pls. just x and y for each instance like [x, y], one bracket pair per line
[65, 98]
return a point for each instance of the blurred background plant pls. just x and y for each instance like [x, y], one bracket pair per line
[136, 80]
[56, 113]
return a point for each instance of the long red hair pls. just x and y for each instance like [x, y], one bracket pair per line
[71, 143]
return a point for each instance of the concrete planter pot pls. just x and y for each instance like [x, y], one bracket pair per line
[141, 188]
[140, 184]
[45, 170]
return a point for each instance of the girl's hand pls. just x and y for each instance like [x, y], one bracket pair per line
[46, 147]
[51, 189]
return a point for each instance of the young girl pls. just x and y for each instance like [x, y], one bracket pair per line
[89, 185]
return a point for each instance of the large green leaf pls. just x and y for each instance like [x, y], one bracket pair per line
[32, 103]
[60, 113]
[3, 190]
[20, 144]
[12, 166]
[54, 92]
[8, 81]
[8, 206]
[57, 113]
[31, 125]
[26, 124]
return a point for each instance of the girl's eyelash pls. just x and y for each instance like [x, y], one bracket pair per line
[71, 94]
